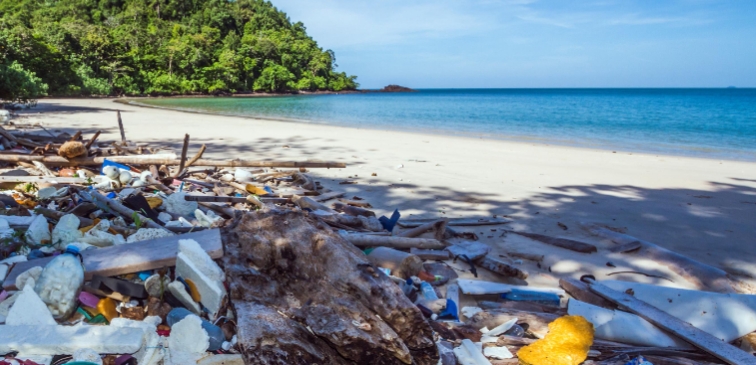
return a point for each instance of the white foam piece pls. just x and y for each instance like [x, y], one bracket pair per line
[187, 335]
[725, 316]
[504, 327]
[623, 327]
[150, 353]
[469, 354]
[54, 340]
[212, 292]
[38, 231]
[29, 309]
[179, 291]
[499, 353]
[201, 259]
[66, 231]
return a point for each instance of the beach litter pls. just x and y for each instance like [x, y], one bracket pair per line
[121, 253]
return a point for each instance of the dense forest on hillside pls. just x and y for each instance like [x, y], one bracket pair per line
[157, 47]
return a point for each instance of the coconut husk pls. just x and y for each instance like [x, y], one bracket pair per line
[72, 149]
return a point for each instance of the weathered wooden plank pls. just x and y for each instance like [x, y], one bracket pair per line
[42, 179]
[703, 340]
[328, 196]
[412, 223]
[131, 257]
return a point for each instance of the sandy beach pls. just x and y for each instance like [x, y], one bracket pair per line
[702, 208]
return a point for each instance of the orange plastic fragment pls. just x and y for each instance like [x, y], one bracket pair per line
[567, 343]
[107, 307]
[193, 290]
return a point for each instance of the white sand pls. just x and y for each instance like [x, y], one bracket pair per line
[703, 208]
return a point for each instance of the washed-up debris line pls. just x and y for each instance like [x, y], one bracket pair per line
[119, 253]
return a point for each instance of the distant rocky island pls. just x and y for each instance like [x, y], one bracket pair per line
[396, 89]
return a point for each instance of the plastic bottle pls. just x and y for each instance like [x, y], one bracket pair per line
[60, 283]
[217, 338]
[428, 292]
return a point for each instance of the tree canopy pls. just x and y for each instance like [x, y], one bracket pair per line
[157, 47]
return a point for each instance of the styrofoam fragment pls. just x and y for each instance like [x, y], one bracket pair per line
[207, 220]
[87, 355]
[66, 231]
[99, 236]
[53, 340]
[212, 292]
[187, 335]
[5, 265]
[201, 259]
[144, 234]
[504, 327]
[177, 204]
[150, 353]
[179, 291]
[471, 311]
[38, 231]
[29, 309]
[499, 353]
[5, 230]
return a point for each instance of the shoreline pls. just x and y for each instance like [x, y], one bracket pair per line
[676, 151]
[701, 208]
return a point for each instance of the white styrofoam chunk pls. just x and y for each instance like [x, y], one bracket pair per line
[212, 292]
[187, 335]
[499, 353]
[504, 327]
[54, 340]
[143, 234]
[29, 309]
[725, 316]
[23, 278]
[179, 291]
[623, 327]
[38, 231]
[201, 259]
[66, 231]
[469, 354]
[87, 355]
[150, 353]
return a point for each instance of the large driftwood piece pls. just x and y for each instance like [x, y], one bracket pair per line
[565, 243]
[362, 240]
[705, 277]
[304, 295]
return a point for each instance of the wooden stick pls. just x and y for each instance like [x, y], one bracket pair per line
[568, 244]
[120, 126]
[75, 137]
[92, 140]
[184, 149]
[355, 203]
[7, 135]
[355, 211]
[125, 211]
[361, 240]
[307, 202]
[701, 339]
[42, 179]
[328, 196]
[414, 232]
[197, 156]
[501, 267]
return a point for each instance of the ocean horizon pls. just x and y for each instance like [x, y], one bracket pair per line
[717, 123]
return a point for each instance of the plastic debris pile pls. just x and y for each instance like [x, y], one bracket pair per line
[108, 257]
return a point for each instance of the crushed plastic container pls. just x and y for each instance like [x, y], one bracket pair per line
[428, 292]
[60, 283]
[217, 338]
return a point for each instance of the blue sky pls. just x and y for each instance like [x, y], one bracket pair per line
[536, 43]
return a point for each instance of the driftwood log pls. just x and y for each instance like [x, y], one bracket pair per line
[304, 295]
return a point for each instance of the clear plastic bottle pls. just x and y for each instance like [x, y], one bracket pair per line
[428, 292]
[515, 331]
[217, 338]
[60, 283]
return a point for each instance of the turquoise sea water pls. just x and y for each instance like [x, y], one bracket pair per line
[714, 123]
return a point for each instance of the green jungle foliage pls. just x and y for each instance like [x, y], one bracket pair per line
[157, 47]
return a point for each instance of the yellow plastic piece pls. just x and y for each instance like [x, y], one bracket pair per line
[193, 290]
[154, 202]
[89, 228]
[567, 343]
[256, 190]
[107, 307]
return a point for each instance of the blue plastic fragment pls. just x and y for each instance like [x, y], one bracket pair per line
[35, 254]
[389, 224]
[144, 275]
[111, 195]
[640, 360]
[268, 189]
[450, 312]
[521, 295]
[111, 163]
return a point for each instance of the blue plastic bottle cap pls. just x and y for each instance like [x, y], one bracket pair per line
[72, 249]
